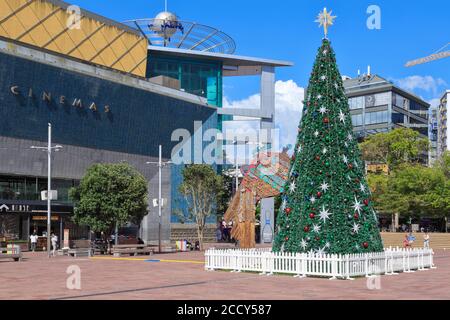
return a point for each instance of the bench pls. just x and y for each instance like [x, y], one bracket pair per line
[80, 252]
[11, 253]
[80, 248]
[131, 249]
[169, 249]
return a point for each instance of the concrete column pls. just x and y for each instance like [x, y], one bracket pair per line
[268, 101]
[390, 103]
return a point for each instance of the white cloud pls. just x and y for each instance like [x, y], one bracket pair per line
[425, 83]
[288, 110]
[251, 102]
[434, 102]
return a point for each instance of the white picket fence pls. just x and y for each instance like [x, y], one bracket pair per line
[334, 266]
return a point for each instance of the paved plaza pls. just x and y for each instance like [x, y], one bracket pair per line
[182, 276]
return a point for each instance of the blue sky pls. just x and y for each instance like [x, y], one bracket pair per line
[286, 30]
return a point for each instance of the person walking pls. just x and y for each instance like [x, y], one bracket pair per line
[33, 240]
[406, 241]
[411, 239]
[54, 240]
[426, 240]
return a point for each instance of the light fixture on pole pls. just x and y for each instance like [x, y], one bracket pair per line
[160, 164]
[49, 148]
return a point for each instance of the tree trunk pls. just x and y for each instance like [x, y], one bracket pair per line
[200, 237]
[445, 226]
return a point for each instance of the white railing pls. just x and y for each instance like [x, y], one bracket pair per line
[266, 262]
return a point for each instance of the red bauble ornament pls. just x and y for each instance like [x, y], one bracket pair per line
[287, 210]
[350, 166]
[326, 120]
[317, 238]
[366, 202]
[312, 215]
[365, 245]
[319, 194]
[306, 229]
[317, 158]
[287, 238]
[356, 216]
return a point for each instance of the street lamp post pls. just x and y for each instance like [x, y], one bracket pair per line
[160, 164]
[49, 148]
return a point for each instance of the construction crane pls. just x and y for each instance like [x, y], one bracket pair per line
[440, 54]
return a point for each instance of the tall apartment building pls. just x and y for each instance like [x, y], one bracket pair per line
[443, 130]
[433, 134]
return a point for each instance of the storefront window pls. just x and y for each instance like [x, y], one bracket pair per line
[29, 188]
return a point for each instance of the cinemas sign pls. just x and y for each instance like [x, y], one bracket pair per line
[62, 100]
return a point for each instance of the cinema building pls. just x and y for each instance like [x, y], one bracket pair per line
[113, 92]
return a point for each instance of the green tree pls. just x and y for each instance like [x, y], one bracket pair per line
[416, 191]
[327, 204]
[444, 163]
[110, 195]
[378, 184]
[202, 188]
[399, 146]
[224, 198]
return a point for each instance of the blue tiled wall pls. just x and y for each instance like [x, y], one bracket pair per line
[138, 122]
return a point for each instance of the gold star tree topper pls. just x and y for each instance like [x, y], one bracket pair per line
[325, 19]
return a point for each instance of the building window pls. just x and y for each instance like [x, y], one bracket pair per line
[356, 103]
[196, 77]
[399, 101]
[417, 106]
[376, 117]
[398, 117]
[357, 120]
[415, 121]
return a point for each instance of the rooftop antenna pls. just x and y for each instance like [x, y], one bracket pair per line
[165, 7]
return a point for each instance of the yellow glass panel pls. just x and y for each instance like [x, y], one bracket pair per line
[87, 48]
[5, 9]
[27, 18]
[64, 43]
[13, 27]
[38, 24]
[108, 56]
[53, 26]
[40, 35]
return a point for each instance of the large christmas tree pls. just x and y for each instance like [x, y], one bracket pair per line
[327, 204]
